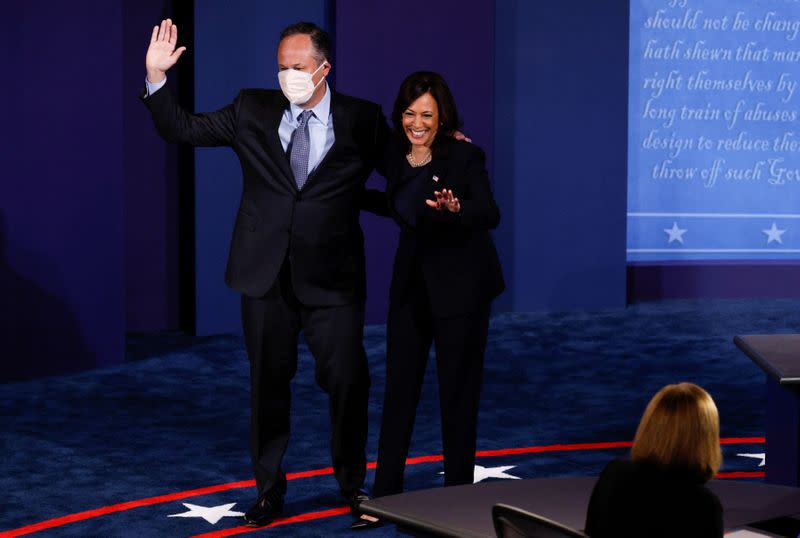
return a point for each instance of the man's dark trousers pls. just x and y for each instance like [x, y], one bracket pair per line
[335, 338]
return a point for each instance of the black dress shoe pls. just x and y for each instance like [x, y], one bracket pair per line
[354, 499]
[267, 508]
[365, 522]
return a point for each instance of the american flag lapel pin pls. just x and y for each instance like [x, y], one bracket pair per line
[436, 179]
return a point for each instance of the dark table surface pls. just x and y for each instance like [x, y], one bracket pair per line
[466, 511]
[777, 354]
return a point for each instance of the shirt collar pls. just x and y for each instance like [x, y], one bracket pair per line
[322, 109]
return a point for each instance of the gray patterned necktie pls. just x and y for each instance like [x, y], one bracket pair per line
[298, 157]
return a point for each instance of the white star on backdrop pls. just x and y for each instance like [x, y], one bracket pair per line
[675, 233]
[762, 457]
[774, 234]
[482, 473]
[212, 514]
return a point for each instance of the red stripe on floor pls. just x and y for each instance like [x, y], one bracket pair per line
[551, 448]
[742, 440]
[308, 474]
[424, 459]
[121, 507]
[741, 474]
[310, 516]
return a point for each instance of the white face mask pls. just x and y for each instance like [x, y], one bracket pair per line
[298, 86]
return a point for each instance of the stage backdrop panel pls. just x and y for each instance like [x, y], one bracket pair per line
[61, 228]
[714, 144]
[561, 81]
[150, 192]
[378, 44]
[235, 47]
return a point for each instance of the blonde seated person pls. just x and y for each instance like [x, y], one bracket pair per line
[660, 491]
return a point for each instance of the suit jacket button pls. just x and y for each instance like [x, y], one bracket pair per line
[252, 228]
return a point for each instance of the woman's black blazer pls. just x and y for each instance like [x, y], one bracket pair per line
[635, 499]
[454, 251]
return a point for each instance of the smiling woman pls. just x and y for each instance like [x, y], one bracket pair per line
[421, 122]
[446, 274]
[424, 107]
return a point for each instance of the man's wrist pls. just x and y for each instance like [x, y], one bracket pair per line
[153, 87]
[154, 77]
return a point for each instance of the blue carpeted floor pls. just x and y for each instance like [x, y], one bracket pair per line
[175, 417]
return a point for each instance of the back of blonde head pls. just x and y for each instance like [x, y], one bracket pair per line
[680, 429]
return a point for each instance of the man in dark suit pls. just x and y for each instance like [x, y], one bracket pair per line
[297, 254]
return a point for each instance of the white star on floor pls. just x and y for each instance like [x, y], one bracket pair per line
[675, 233]
[774, 234]
[212, 514]
[762, 457]
[482, 473]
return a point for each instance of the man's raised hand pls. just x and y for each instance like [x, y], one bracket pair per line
[161, 54]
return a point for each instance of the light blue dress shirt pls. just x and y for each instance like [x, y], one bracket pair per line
[320, 126]
[320, 129]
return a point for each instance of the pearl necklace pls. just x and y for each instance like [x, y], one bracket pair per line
[414, 163]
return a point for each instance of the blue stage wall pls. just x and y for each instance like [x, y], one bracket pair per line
[61, 195]
[88, 200]
[561, 86]
[150, 192]
[235, 47]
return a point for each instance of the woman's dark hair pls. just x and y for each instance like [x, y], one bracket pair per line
[319, 38]
[420, 83]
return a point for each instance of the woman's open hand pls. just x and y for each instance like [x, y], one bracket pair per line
[445, 200]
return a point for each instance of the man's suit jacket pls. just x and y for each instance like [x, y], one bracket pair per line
[316, 227]
[455, 252]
